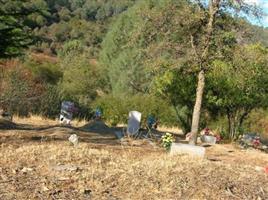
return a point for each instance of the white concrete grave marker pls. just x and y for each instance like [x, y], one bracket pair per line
[134, 119]
[179, 148]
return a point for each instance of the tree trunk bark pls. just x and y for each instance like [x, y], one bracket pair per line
[243, 118]
[232, 126]
[229, 125]
[214, 6]
[197, 107]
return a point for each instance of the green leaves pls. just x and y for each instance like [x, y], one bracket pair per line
[143, 40]
[239, 85]
[15, 32]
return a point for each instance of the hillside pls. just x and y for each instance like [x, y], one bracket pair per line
[87, 21]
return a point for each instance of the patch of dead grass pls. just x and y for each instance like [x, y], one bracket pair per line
[109, 170]
[37, 120]
[121, 173]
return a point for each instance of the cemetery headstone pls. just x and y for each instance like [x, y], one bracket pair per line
[192, 150]
[73, 139]
[66, 113]
[134, 119]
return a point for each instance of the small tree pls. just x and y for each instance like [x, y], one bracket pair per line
[202, 37]
[177, 88]
[82, 79]
[239, 85]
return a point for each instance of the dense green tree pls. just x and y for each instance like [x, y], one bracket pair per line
[239, 85]
[202, 39]
[142, 42]
[44, 72]
[177, 88]
[14, 34]
[65, 14]
[116, 108]
[85, 20]
[82, 78]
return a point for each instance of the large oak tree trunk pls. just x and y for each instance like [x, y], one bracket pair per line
[197, 107]
[202, 58]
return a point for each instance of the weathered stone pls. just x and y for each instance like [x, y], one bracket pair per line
[178, 148]
[134, 119]
[65, 168]
[209, 139]
[73, 139]
[26, 169]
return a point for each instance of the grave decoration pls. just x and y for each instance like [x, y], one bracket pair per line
[252, 140]
[67, 111]
[209, 137]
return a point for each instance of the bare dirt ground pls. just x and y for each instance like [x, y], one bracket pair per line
[38, 162]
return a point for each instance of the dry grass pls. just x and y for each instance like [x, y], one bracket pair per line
[35, 120]
[174, 130]
[121, 173]
[41, 121]
[101, 168]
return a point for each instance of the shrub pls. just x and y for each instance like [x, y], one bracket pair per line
[20, 92]
[115, 109]
[50, 102]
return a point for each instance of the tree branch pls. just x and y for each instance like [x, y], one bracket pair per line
[213, 9]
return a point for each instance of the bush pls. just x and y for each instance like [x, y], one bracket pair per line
[115, 109]
[20, 93]
[50, 103]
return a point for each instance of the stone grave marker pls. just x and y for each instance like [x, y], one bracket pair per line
[134, 119]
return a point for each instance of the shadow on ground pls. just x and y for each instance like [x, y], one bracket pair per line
[96, 132]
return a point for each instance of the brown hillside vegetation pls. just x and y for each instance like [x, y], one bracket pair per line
[38, 162]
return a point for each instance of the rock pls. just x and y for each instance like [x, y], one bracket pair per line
[63, 179]
[66, 168]
[45, 189]
[25, 170]
[74, 139]
[178, 148]
[259, 169]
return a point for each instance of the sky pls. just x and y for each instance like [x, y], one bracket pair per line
[264, 5]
